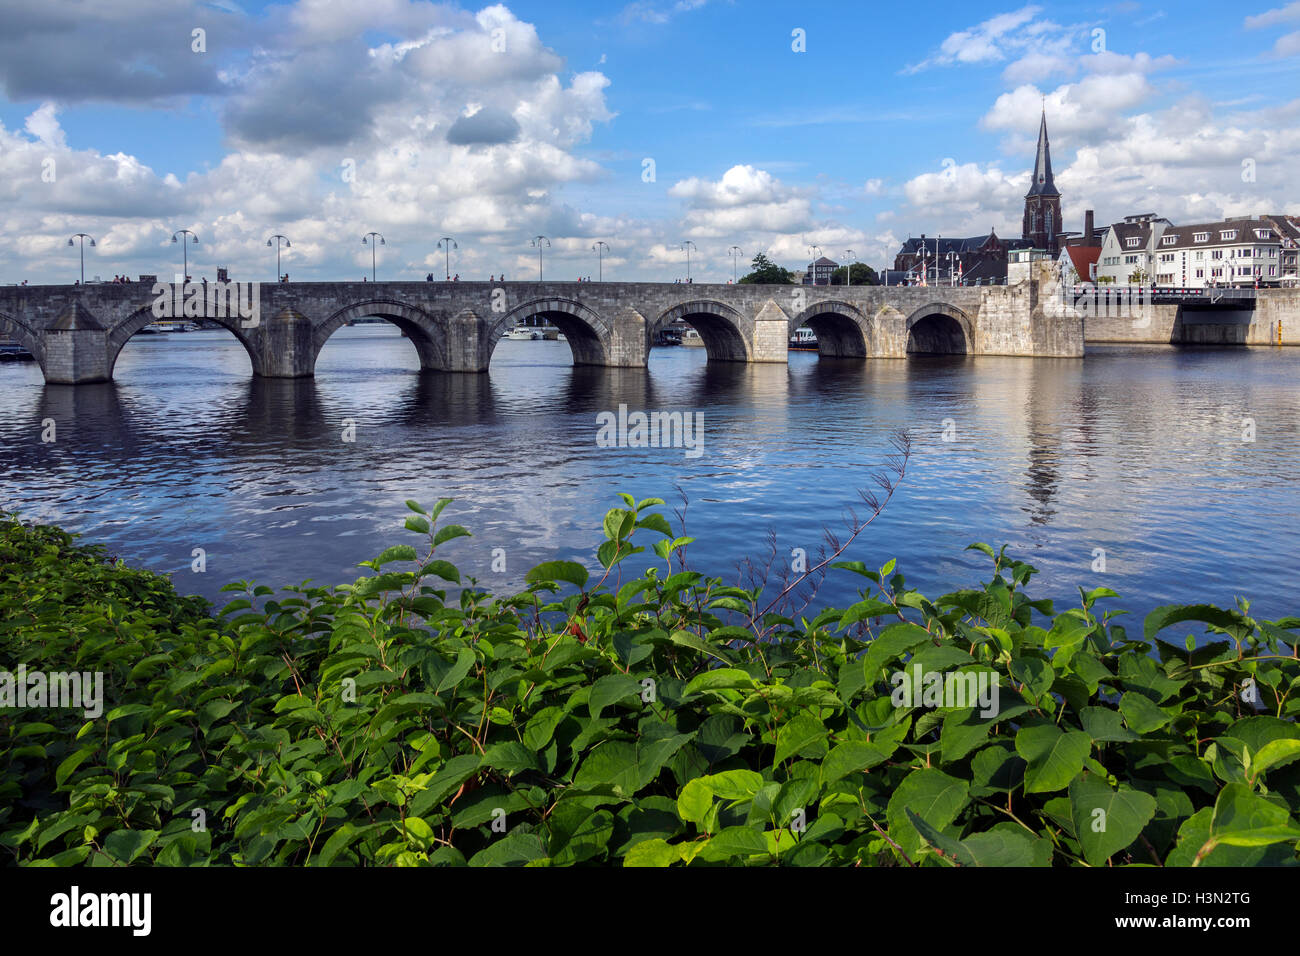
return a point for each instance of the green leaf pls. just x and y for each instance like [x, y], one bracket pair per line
[800, 732]
[1106, 821]
[464, 661]
[398, 552]
[548, 571]
[1054, 758]
[694, 802]
[125, 845]
[1170, 614]
[894, 640]
[1140, 714]
[848, 757]
[448, 532]
[720, 678]
[611, 689]
[931, 794]
[1274, 754]
[653, 852]
[1243, 818]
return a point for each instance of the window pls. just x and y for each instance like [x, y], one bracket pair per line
[1264, 233]
[1216, 254]
[1272, 252]
[1200, 273]
[1227, 235]
[1168, 240]
[1132, 243]
[1130, 260]
[1272, 270]
[1201, 237]
[1216, 273]
[1200, 254]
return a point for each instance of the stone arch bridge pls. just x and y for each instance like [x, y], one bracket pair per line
[77, 332]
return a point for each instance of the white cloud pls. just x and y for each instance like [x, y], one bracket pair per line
[988, 42]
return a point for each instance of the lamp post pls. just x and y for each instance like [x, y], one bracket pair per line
[539, 242]
[688, 246]
[600, 248]
[735, 254]
[277, 237]
[851, 257]
[83, 237]
[815, 253]
[186, 238]
[952, 275]
[371, 236]
[446, 244]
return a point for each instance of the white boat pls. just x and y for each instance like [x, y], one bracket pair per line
[691, 338]
[153, 328]
[803, 340]
[523, 333]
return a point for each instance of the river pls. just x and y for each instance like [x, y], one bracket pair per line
[1136, 451]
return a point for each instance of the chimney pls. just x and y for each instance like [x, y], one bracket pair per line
[1089, 233]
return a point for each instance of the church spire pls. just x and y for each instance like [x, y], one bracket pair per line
[1042, 184]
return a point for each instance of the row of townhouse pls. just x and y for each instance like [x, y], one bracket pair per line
[1243, 252]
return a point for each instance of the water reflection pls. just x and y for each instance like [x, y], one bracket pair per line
[1137, 452]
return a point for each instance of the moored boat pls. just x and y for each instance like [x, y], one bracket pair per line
[803, 340]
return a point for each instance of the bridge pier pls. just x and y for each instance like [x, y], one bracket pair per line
[285, 345]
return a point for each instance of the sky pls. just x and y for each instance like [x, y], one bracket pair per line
[771, 127]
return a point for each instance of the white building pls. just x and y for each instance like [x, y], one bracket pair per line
[1129, 249]
[1242, 252]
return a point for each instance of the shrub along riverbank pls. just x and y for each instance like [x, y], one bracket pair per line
[637, 722]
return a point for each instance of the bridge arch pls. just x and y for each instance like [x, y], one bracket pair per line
[427, 333]
[26, 336]
[940, 328]
[588, 334]
[842, 329]
[120, 333]
[720, 326]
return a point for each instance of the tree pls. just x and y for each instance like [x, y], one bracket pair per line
[767, 272]
[1139, 277]
[863, 274]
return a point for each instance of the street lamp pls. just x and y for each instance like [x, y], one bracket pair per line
[539, 242]
[600, 248]
[735, 254]
[816, 253]
[688, 246]
[186, 238]
[446, 244]
[851, 257]
[277, 237]
[952, 275]
[372, 236]
[83, 237]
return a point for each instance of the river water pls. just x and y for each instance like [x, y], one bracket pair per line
[1136, 451]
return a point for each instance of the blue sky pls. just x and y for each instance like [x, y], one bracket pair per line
[891, 122]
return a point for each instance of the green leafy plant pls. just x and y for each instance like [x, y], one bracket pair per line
[413, 718]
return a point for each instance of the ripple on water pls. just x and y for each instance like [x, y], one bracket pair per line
[1137, 451]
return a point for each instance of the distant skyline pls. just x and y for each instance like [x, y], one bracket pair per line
[326, 119]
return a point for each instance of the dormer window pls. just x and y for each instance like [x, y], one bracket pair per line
[1133, 243]
[1228, 235]
[1200, 237]
[1168, 240]
[1264, 233]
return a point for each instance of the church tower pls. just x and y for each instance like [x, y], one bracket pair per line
[1043, 201]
